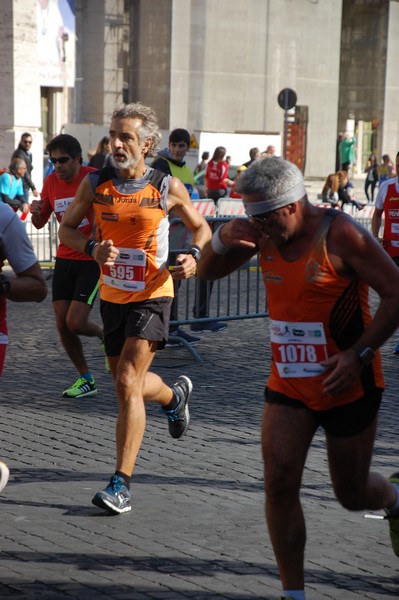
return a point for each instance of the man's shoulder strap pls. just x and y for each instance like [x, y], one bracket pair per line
[156, 179]
[104, 174]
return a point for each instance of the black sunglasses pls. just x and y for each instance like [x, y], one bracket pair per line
[62, 160]
[263, 217]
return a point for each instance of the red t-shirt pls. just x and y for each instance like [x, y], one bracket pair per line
[216, 172]
[56, 196]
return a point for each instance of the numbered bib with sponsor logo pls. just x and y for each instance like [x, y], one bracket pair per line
[298, 348]
[60, 207]
[128, 271]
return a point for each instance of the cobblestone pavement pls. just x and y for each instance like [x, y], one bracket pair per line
[197, 527]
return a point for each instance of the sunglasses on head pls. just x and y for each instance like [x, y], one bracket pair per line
[62, 160]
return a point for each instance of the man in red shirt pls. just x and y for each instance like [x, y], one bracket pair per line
[387, 204]
[76, 275]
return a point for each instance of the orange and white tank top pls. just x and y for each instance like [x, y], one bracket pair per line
[314, 313]
[133, 214]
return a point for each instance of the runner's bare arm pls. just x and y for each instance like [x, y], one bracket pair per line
[376, 222]
[29, 285]
[363, 256]
[237, 241]
[355, 254]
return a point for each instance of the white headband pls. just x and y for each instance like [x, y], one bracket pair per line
[264, 206]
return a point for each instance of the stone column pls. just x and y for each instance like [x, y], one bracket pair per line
[20, 92]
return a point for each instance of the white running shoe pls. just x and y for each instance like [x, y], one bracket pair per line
[4, 475]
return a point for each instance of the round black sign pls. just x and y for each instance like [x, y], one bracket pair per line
[286, 98]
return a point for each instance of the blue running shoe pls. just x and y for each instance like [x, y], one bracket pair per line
[115, 498]
[393, 520]
[210, 327]
[179, 417]
[175, 337]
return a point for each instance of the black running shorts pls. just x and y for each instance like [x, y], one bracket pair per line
[148, 319]
[76, 280]
[342, 421]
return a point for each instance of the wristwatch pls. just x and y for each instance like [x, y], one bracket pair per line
[4, 285]
[195, 252]
[366, 355]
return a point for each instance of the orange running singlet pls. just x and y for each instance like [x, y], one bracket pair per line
[314, 313]
[133, 214]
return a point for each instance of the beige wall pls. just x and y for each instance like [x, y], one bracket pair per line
[99, 85]
[230, 60]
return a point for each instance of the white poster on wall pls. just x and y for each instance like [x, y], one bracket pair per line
[56, 42]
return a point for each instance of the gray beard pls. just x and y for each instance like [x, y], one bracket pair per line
[126, 164]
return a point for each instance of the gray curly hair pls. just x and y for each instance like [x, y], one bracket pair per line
[278, 181]
[149, 123]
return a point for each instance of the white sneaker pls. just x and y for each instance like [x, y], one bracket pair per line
[4, 475]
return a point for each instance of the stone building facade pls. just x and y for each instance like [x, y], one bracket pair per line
[212, 66]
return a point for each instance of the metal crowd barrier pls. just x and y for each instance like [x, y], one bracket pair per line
[240, 295]
[44, 241]
[362, 216]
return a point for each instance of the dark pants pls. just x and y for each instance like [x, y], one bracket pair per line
[368, 184]
[203, 291]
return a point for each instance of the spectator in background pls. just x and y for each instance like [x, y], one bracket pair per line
[216, 176]
[347, 151]
[371, 171]
[23, 151]
[346, 192]
[338, 191]
[202, 165]
[386, 169]
[270, 151]
[102, 156]
[11, 186]
[329, 192]
[254, 154]
[171, 161]
[340, 137]
[89, 154]
[233, 191]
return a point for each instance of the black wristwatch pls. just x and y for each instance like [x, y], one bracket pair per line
[366, 355]
[195, 252]
[4, 285]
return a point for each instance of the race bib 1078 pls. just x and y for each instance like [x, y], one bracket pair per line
[298, 348]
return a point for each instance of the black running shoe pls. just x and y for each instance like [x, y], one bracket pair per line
[115, 498]
[179, 417]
